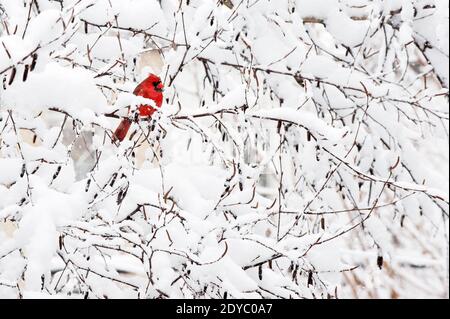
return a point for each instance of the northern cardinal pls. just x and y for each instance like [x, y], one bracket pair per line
[151, 88]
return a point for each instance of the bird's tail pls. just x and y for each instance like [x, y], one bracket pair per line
[122, 130]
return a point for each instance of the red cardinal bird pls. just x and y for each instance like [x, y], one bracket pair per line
[151, 88]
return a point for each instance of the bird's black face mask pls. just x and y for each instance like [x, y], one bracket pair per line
[158, 86]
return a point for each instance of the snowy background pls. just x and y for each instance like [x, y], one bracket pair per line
[301, 151]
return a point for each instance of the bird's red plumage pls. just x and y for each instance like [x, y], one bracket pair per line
[150, 88]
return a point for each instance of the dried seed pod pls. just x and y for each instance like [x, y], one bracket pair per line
[24, 168]
[33, 62]
[25, 73]
[310, 278]
[12, 76]
[113, 179]
[35, 170]
[58, 170]
[61, 242]
[88, 183]
[294, 273]
[380, 262]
